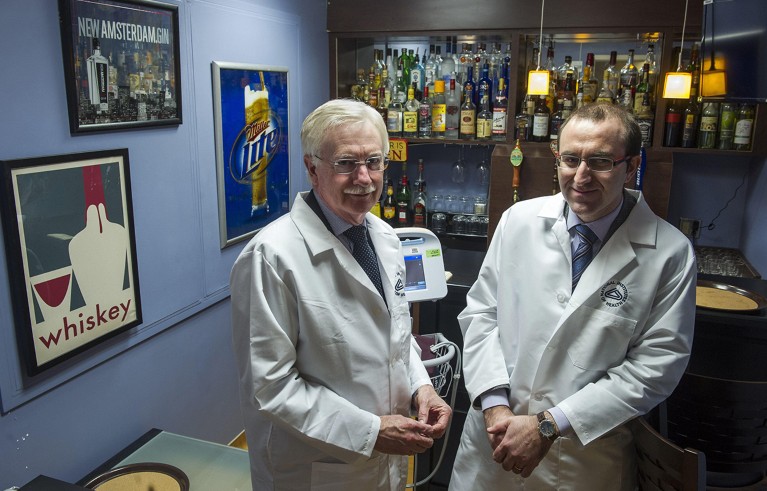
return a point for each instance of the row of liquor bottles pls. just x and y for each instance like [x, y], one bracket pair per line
[710, 125]
[442, 102]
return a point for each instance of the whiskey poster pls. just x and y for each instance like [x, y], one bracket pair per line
[121, 61]
[250, 104]
[71, 252]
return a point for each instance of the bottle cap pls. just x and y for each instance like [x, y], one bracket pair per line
[439, 86]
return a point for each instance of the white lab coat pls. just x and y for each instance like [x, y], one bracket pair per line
[605, 353]
[320, 356]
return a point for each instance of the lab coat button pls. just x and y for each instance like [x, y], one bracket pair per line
[538, 396]
[561, 298]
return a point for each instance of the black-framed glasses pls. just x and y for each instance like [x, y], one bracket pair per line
[595, 164]
[376, 163]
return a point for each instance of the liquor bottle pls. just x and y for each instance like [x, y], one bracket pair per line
[371, 91]
[690, 121]
[642, 88]
[563, 71]
[410, 115]
[424, 115]
[467, 128]
[485, 85]
[358, 88]
[438, 72]
[568, 96]
[605, 94]
[469, 86]
[552, 96]
[407, 66]
[390, 205]
[465, 61]
[452, 111]
[645, 119]
[694, 68]
[382, 107]
[387, 84]
[394, 118]
[500, 112]
[588, 84]
[438, 110]
[484, 120]
[404, 218]
[612, 75]
[376, 209]
[628, 82]
[727, 120]
[417, 78]
[430, 68]
[400, 88]
[541, 121]
[708, 125]
[672, 136]
[420, 199]
[743, 127]
[523, 122]
[556, 121]
[653, 71]
[447, 67]
[98, 78]
[419, 206]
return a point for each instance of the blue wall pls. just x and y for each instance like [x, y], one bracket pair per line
[175, 371]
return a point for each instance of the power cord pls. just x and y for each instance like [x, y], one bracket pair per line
[712, 225]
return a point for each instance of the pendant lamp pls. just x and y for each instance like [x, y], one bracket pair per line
[713, 82]
[677, 84]
[538, 80]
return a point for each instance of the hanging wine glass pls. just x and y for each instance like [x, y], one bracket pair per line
[458, 173]
[483, 170]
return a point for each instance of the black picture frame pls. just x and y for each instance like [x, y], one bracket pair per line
[121, 64]
[71, 253]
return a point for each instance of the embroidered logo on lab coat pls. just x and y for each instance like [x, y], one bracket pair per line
[614, 293]
[399, 288]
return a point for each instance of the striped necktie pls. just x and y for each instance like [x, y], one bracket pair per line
[364, 255]
[583, 254]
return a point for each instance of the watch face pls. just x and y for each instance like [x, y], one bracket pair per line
[547, 429]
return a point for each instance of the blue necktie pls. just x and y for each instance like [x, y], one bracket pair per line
[583, 254]
[364, 255]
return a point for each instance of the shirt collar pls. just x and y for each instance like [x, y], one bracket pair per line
[337, 224]
[600, 226]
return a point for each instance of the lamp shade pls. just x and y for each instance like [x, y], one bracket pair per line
[677, 85]
[713, 83]
[538, 82]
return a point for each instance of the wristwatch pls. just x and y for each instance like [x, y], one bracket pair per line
[547, 427]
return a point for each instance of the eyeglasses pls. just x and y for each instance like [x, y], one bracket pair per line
[375, 163]
[595, 164]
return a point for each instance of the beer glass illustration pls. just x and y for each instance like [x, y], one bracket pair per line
[257, 118]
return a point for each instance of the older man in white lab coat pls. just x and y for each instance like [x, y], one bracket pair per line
[328, 367]
[558, 358]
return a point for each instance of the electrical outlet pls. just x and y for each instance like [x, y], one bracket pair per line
[690, 227]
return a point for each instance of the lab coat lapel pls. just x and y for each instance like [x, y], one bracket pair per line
[639, 229]
[319, 240]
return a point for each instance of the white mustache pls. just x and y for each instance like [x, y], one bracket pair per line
[360, 190]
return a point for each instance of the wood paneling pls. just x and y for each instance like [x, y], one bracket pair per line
[460, 15]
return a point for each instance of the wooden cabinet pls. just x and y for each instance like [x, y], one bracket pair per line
[358, 27]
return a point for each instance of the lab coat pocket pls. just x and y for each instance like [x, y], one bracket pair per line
[336, 476]
[598, 340]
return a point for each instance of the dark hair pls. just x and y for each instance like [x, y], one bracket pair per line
[602, 111]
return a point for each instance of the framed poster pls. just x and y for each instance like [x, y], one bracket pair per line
[250, 104]
[71, 252]
[121, 63]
